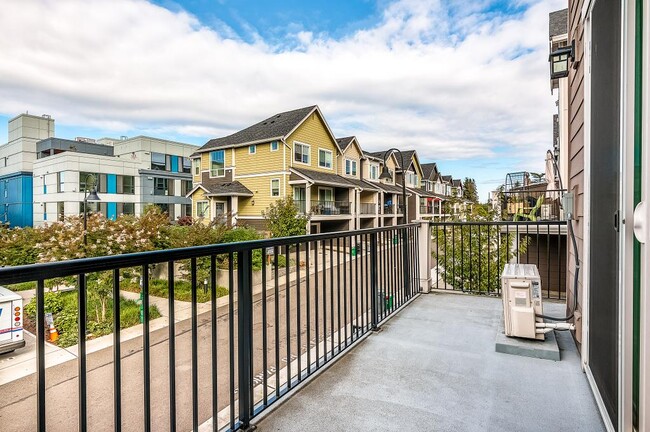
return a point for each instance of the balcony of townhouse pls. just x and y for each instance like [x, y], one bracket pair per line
[282, 334]
[326, 197]
[531, 204]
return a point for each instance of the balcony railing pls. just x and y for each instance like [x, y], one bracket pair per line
[368, 209]
[301, 205]
[312, 298]
[330, 207]
[388, 209]
[469, 256]
[527, 205]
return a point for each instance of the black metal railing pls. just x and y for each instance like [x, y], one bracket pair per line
[330, 207]
[388, 209]
[531, 205]
[290, 307]
[368, 209]
[470, 256]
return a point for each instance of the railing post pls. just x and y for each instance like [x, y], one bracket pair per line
[424, 255]
[373, 281]
[245, 337]
[406, 267]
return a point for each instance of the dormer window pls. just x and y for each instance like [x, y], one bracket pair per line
[350, 167]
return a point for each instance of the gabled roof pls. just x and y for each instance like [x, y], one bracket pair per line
[457, 183]
[379, 156]
[428, 170]
[276, 127]
[345, 143]
[222, 189]
[447, 178]
[408, 156]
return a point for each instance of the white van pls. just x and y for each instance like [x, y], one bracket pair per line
[11, 321]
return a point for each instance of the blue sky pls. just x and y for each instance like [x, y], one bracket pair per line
[463, 83]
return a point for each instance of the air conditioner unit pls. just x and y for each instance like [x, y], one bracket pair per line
[521, 290]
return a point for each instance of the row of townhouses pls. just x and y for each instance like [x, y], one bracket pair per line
[294, 154]
[44, 178]
[333, 180]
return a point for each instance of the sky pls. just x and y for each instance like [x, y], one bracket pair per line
[465, 83]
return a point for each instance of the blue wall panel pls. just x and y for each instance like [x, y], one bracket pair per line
[174, 163]
[111, 183]
[111, 210]
[16, 199]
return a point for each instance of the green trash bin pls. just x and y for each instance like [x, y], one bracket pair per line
[395, 239]
[353, 251]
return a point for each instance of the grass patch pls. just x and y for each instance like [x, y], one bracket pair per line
[63, 307]
[23, 286]
[182, 290]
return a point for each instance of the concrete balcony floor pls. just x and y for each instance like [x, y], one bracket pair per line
[434, 368]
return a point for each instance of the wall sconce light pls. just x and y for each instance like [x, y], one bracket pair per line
[559, 60]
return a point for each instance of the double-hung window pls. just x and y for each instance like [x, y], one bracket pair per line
[350, 167]
[202, 209]
[197, 166]
[217, 165]
[324, 158]
[374, 172]
[252, 149]
[274, 146]
[301, 153]
[275, 187]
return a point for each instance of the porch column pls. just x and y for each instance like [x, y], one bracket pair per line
[357, 208]
[424, 255]
[308, 204]
[234, 209]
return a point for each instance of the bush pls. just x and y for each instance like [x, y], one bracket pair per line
[284, 220]
[240, 234]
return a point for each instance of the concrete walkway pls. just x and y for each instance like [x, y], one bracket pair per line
[434, 368]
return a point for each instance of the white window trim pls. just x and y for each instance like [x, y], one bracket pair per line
[376, 166]
[252, 147]
[356, 167]
[206, 211]
[293, 154]
[277, 143]
[225, 206]
[196, 166]
[326, 188]
[279, 187]
[331, 167]
[210, 164]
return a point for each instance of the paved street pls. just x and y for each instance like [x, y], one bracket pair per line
[18, 407]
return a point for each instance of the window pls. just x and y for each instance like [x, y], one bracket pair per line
[88, 180]
[252, 149]
[160, 186]
[186, 210]
[60, 211]
[158, 161]
[201, 209]
[60, 182]
[186, 187]
[219, 209]
[128, 208]
[274, 146]
[127, 185]
[44, 211]
[325, 195]
[275, 187]
[374, 171]
[44, 183]
[217, 165]
[301, 153]
[350, 167]
[324, 158]
[187, 165]
[197, 166]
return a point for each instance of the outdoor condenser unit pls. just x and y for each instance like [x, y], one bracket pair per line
[521, 290]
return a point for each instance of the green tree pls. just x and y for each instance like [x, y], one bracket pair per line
[470, 193]
[284, 220]
[471, 257]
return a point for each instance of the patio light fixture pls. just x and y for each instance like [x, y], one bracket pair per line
[385, 175]
[559, 60]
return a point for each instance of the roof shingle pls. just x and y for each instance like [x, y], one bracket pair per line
[558, 22]
[276, 126]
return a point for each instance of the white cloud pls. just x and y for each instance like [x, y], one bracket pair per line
[445, 81]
